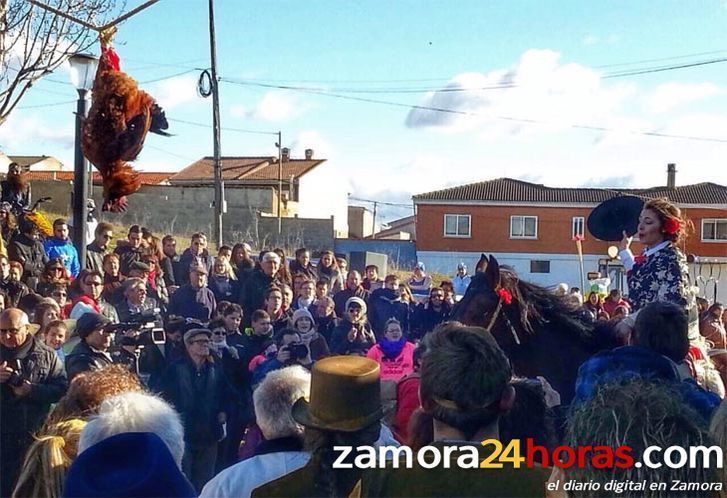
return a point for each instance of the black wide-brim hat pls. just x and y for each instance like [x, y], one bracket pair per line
[611, 218]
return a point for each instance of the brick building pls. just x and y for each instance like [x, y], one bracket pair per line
[531, 226]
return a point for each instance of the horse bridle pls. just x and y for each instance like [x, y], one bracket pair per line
[496, 315]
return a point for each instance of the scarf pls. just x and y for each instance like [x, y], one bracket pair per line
[307, 337]
[392, 349]
[89, 301]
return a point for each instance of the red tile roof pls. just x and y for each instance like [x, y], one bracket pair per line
[510, 190]
[147, 177]
[243, 169]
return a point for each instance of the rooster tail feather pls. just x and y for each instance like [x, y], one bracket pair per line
[119, 179]
[159, 121]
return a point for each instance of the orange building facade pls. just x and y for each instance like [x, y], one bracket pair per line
[532, 227]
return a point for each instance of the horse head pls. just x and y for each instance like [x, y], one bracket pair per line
[481, 298]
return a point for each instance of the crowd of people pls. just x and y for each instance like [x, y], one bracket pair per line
[158, 372]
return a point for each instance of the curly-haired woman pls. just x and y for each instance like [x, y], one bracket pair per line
[660, 272]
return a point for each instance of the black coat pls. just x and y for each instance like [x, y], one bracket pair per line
[31, 254]
[22, 416]
[384, 304]
[341, 345]
[127, 256]
[167, 266]
[84, 359]
[425, 318]
[252, 292]
[199, 396]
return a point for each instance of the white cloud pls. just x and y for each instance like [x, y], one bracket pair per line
[25, 133]
[538, 94]
[275, 106]
[591, 40]
[670, 95]
[174, 92]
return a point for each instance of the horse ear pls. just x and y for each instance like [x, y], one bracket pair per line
[492, 273]
[481, 264]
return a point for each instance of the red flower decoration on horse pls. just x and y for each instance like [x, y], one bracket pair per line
[505, 295]
[640, 259]
[671, 226]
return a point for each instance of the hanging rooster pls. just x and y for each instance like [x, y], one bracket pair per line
[114, 131]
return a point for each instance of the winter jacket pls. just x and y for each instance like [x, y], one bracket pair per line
[334, 277]
[223, 288]
[199, 396]
[127, 255]
[190, 302]
[252, 292]
[66, 252]
[31, 254]
[341, 297]
[425, 318]
[84, 359]
[167, 266]
[460, 284]
[94, 257]
[384, 304]
[15, 291]
[41, 366]
[360, 345]
[309, 271]
[187, 259]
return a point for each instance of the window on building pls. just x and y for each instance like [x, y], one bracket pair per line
[578, 227]
[714, 230]
[523, 227]
[539, 266]
[457, 225]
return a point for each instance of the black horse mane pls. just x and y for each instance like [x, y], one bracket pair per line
[539, 305]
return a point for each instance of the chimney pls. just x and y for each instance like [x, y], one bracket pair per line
[308, 154]
[671, 175]
[286, 154]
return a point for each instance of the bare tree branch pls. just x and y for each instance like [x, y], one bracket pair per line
[34, 42]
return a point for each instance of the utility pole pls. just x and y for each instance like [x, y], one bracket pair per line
[373, 234]
[219, 183]
[280, 182]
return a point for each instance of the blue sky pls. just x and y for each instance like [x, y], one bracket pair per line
[553, 56]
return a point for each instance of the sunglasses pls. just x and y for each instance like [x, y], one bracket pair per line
[219, 332]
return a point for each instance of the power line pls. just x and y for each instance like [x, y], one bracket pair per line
[54, 104]
[502, 118]
[501, 86]
[383, 203]
[237, 130]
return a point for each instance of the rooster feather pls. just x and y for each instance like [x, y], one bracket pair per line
[115, 129]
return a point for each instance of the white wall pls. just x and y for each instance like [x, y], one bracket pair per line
[563, 267]
[320, 197]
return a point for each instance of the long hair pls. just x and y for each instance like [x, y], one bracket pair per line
[328, 481]
[47, 460]
[49, 278]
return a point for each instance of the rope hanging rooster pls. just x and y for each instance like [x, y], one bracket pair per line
[113, 133]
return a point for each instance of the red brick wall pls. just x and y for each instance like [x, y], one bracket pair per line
[490, 230]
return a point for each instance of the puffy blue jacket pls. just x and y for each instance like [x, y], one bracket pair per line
[63, 249]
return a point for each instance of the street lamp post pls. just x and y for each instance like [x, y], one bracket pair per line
[83, 70]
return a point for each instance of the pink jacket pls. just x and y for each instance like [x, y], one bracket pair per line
[398, 367]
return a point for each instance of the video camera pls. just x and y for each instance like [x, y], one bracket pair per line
[145, 326]
[297, 351]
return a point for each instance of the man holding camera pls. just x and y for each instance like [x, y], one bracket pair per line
[31, 379]
[92, 353]
[291, 351]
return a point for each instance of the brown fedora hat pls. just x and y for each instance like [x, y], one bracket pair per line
[345, 395]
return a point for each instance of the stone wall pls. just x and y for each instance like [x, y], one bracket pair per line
[185, 210]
